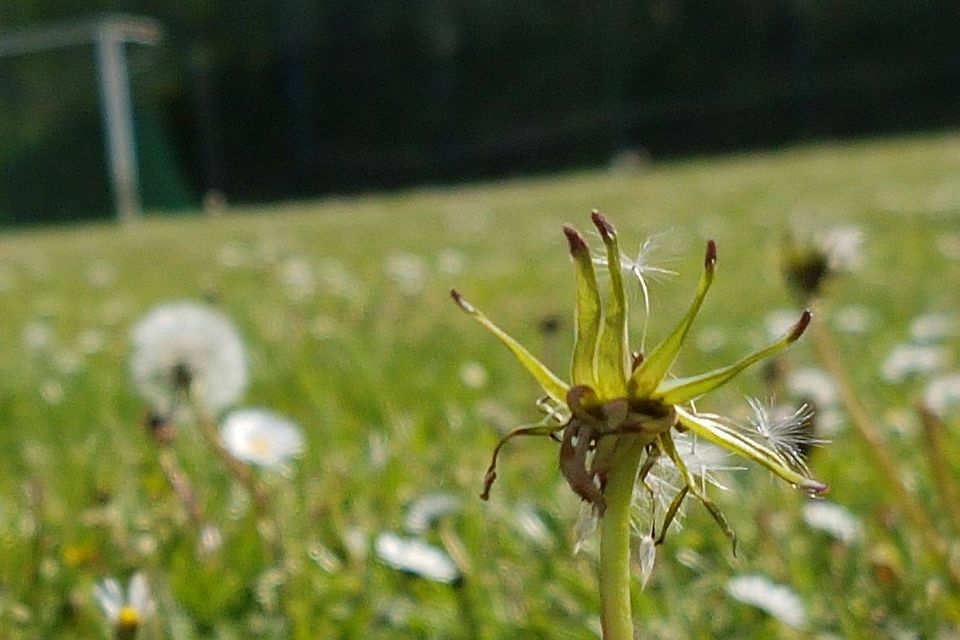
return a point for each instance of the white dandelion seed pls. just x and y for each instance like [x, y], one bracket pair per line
[646, 557]
[643, 268]
[261, 437]
[777, 600]
[833, 520]
[414, 556]
[583, 530]
[187, 346]
[125, 612]
[784, 430]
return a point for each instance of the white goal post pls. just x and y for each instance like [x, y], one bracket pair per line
[108, 34]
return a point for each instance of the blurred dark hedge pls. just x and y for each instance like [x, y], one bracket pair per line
[286, 98]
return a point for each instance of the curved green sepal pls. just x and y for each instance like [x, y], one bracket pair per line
[654, 368]
[552, 385]
[734, 441]
[587, 311]
[683, 389]
[612, 347]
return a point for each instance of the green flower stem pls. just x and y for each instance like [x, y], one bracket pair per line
[615, 615]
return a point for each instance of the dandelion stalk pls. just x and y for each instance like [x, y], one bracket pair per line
[616, 617]
[933, 428]
[246, 477]
[879, 448]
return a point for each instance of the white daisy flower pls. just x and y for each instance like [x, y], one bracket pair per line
[261, 437]
[125, 612]
[414, 556]
[777, 600]
[188, 346]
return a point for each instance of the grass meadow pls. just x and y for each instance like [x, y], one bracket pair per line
[344, 306]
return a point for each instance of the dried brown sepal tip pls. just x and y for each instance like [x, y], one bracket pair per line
[607, 232]
[578, 245]
[801, 325]
[461, 301]
[710, 257]
[815, 488]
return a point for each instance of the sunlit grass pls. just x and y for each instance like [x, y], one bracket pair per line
[344, 307]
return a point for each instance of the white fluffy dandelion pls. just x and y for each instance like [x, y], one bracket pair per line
[188, 346]
[125, 612]
[777, 600]
[261, 437]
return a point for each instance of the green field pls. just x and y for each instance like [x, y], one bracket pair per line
[344, 307]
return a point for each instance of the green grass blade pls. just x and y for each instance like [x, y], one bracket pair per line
[612, 344]
[734, 441]
[651, 373]
[683, 389]
[587, 312]
[554, 386]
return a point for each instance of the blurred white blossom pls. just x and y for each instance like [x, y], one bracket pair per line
[942, 393]
[777, 600]
[833, 520]
[187, 346]
[905, 360]
[414, 556]
[428, 509]
[261, 437]
[932, 327]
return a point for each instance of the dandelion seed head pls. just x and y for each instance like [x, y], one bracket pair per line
[188, 343]
[777, 600]
[261, 437]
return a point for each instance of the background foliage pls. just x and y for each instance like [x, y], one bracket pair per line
[344, 306]
[263, 100]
